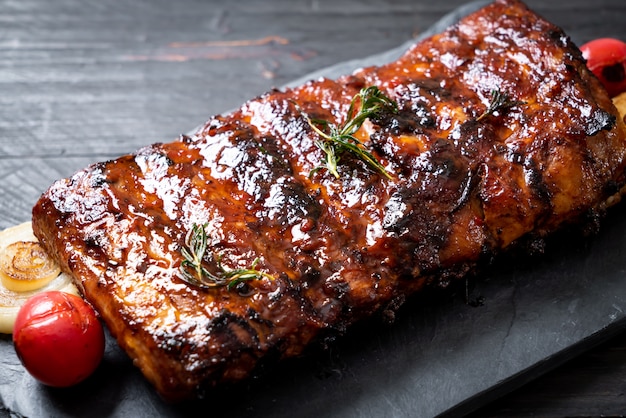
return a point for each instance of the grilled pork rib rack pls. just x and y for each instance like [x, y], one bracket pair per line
[500, 132]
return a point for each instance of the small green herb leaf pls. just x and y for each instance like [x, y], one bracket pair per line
[193, 271]
[335, 140]
[499, 102]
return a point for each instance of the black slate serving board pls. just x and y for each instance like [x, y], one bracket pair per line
[446, 354]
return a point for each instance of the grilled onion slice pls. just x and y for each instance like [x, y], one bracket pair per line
[25, 266]
[25, 269]
[620, 103]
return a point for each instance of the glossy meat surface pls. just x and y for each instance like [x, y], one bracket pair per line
[466, 183]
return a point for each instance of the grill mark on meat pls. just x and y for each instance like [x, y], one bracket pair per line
[338, 249]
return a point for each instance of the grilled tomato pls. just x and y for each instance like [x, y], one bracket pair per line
[606, 58]
[58, 338]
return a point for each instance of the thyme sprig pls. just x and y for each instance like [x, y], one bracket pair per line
[194, 272]
[335, 140]
[499, 102]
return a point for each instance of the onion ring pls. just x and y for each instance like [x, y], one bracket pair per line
[21, 237]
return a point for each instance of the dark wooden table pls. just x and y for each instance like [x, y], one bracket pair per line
[82, 81]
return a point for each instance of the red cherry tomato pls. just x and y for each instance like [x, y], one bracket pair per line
[58, 338]
[606, 58]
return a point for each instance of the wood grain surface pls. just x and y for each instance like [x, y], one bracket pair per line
[83, 81]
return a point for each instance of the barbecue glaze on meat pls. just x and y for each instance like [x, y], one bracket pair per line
[463, 186]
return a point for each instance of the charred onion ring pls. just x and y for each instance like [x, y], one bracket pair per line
[25, 269]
